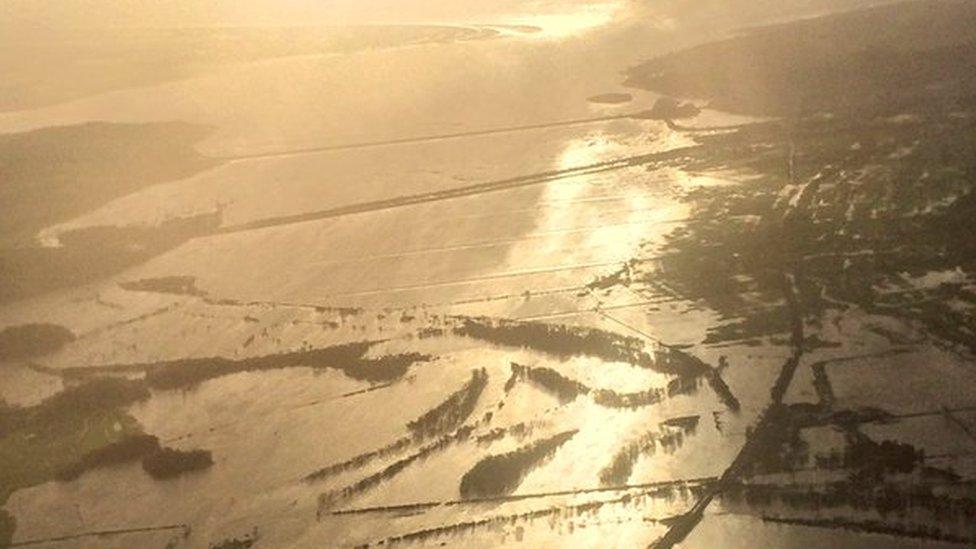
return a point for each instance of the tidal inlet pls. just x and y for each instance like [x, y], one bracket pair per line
[523, 273]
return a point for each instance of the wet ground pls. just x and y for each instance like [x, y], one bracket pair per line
[459, 286]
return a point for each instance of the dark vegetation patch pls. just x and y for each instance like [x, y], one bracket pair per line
[502, 473]
[329, 499]
[184, 373]
[93, 396]
[429, 332]
[618, 471]
[39, 442]
[519, 431]
[776, 445]
[918, 531]
[566, 390]
[31, 340]
[180, 285]
[779, 445]
[683, 386]
[669, 434]
[674, 431]
[898, 509]
[849, 419]
[81, 428]
[666, 491]
[620, 277]
[668, 108]
[512, 380]
[80, 400]
[469, 527]
[447, 416]
[887, 478]
[685, 424]
[563, 388]
[612, 399]
[87, 399]
[568, 341]
[359, 461]
[953, 327]
[160, 462]
[871, 461]
[129, 448]
[347, 357]
[453, 412]
[166, 463]
[384, 368]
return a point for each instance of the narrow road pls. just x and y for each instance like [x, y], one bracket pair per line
[459, 192]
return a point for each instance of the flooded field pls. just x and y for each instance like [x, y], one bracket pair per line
[533, 274]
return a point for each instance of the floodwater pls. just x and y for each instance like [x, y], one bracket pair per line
[438, 185]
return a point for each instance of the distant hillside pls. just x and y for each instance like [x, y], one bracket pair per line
[875, 60]
[54, 174]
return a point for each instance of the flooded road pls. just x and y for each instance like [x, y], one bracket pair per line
[459, 276]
